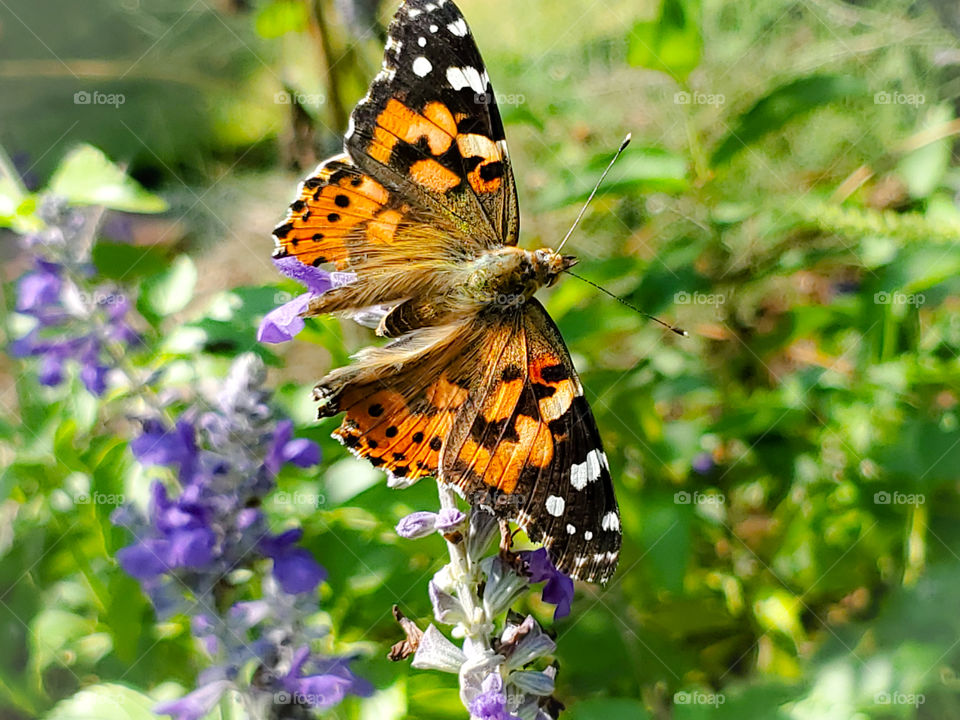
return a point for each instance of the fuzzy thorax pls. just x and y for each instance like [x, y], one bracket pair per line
[511, 275]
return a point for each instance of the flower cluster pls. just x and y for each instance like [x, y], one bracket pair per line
[497, 662]
[71, 318]
[194, 549]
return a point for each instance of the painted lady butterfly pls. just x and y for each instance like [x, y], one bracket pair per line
[477, 387]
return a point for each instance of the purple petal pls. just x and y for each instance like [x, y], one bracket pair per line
[302, 452]
[281, 436]
[417, 525]
[275, 545]
[297, 571]
[559, 588]
[322, 691]
[144, 560]
[491, 703]
[51, 370]
[317, 281]
[37, 289]
[449, 519]
[283, 323]
[158, 446]
[192, 548]
[195, 705]
[94, 376]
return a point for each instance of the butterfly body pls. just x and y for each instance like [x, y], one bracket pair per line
[475, 386]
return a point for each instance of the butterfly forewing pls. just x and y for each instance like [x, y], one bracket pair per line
[430, 126]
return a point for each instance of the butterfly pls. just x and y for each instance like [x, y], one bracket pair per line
[476, 386]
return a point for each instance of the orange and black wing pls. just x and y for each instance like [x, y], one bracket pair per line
[429, 127]
[527, 446]
[340, 216]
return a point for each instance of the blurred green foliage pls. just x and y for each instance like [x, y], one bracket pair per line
[788, 475]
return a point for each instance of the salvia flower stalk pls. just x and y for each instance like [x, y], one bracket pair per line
[501, 662]
[196, 545]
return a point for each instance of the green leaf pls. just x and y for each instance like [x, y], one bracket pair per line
[923, 169]
[671, 43]
[123, 261]
[781, 105]
[87, 177]
[608, 709]
[171, 290]
[104, 702]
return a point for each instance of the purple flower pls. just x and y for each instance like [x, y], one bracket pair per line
[159, 446]
[286, 321]
[196, 704]
[39, 288]
[285, 449]
[294, 567]
[491, 703]
[702, 463]
[559, 588]
[320, 691]
[423, 523]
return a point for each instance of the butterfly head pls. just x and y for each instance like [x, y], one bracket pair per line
[549, 264]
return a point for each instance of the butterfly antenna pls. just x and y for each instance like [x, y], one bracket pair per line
[668, 326]
[623, 146]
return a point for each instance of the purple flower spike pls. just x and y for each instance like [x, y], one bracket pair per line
[195, 705]
[559, 588]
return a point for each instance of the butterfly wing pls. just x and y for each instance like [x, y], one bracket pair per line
[429, 126]
[340, 216]
[528, 447]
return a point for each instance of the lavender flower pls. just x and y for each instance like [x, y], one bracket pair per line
[286, 321]
[74, 320]
[497, 669]
[191, 542]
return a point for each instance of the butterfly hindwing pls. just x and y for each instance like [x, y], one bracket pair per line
[530, 446]
[429, 125]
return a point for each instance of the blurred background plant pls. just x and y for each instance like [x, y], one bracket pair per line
[788, 475]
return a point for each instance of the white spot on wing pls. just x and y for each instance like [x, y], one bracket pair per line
[422, 42]
[434, 28]
[414, 12]
[422, 66]
[611, 521]
[460, 78]
[555, 505]
[571, 529]
[578, 475]
[458, 28]
[587, 535]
